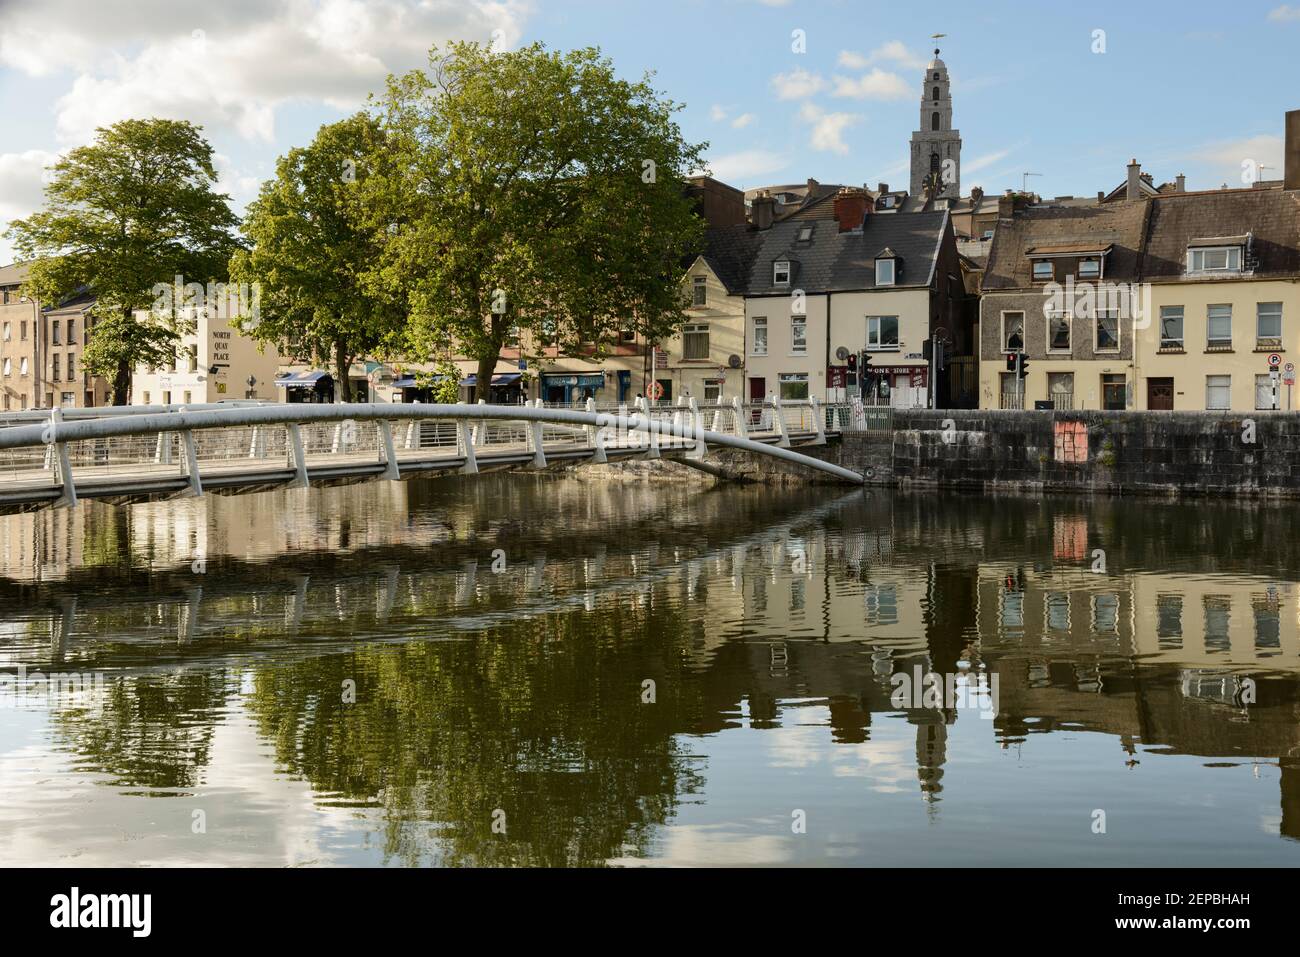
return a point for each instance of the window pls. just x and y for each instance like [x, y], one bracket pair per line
[1107, 330]
[934, 121]
[1089, 268]
[1268, 325]
[8, 332]
[1043, 271]
[1171, 327]
[700, 292]
[1218, 618]
[54, 333]
[67, 400]
[22, 331]
[695, 341]
[881, 604]
[884, 272]
[882, 333]
[1058, 332]
[781, 273]
[1218, 327]
[54, 364]
[624, 335]
[72, 331]
[1060, 389]
[1013, 331]
[805, 234]
[72, 366]
[9, 367]
[185, 397]
[147, 398]
[712, 390]
[1169, 620]
[192, 353]
[1214, 259]
[22, 366]
[936, 94]
[1114, 392]
[1218, 392]
[798, 335]
[760, 336]
[1265, 395]
[794, 385]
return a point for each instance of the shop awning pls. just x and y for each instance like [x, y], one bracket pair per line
[409, 382]
[595, 380]
[302, 380]
[504, 378]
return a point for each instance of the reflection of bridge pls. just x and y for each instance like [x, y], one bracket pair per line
[127, 455]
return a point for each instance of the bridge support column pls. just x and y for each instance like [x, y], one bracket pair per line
[652, 437]
[391, 470]
[698, 449]
[57, 455]
[535, 440]
[480, 429]
[779, 416]
[299, 456]
[191, 463]
[742, 427]
[465, 436]
[819, 420]
[596, 437]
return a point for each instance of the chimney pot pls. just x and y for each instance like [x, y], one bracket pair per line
[1291, 151]
[762, 211]
[851, 208]
[1134, 180]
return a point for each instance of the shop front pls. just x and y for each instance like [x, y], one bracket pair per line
[572, 388]
[314, 387]
[507, 388]
[903, 387]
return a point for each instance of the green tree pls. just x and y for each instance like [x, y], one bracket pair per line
[537, 191]
[314, 244]
[134, 208]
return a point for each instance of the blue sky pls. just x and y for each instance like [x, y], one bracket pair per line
[1193, 87]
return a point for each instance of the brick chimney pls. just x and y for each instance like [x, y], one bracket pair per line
[762, 211]
[1134, 180]
[882, 188]
[976, 194]
[1006, 205]
[850, 208]
[1180, 183]
[1291, 151]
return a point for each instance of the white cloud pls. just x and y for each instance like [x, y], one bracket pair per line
[1228, 161]
[827, 134]
[22, 187]
[717, 113]
[1283, 13]
[231, 65]
[743, 120]
[895, 51]
[798, 84]
[985, 161]
[876, 85]
[747, 166]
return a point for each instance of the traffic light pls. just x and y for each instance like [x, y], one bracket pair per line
[1011, 361]
[853, 362]
[1024, 366]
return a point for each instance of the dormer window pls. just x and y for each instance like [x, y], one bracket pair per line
[805, 234]
[886, 267]
[1089, 268]
[1043, 270]
[781, 273]
[1213, 259]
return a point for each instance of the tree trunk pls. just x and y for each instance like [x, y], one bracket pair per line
[487, 365]
[342, 368]
[122, 383]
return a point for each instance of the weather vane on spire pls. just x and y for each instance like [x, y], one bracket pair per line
[937, 36]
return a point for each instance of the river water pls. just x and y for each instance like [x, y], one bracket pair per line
[534, 670]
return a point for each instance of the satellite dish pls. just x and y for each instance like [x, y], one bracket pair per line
[733, 361]
[841, 353]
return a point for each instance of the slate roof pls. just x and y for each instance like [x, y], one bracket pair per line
[730, 251]
[1121, 225]
[833, 261]
[14, 273]
[1271, 216]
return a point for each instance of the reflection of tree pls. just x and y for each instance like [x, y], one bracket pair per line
[543, 720]
[151, 731]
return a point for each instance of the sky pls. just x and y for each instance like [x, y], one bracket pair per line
[782, 90]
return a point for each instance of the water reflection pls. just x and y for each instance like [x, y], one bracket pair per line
[525, 670]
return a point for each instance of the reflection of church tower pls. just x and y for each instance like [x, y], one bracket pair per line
[936, 146]
[931, 755]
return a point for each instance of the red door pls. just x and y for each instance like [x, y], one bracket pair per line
[757, 389]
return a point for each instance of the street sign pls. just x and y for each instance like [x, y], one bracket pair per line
[1289, 368]
[1274, 360]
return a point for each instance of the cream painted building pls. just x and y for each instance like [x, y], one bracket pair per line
[1223, 273]
[214, 362]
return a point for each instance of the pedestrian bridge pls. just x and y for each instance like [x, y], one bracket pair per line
[137, 453]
